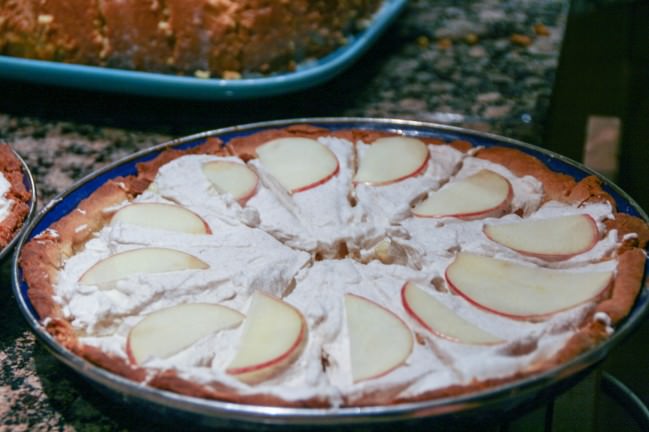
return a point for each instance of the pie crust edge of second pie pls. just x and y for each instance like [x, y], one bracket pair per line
[12, 169]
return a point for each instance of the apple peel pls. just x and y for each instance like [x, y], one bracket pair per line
[379, 340]
[233, 178]
[520, 291]
[484, 194]
[168, 331]
[169, 217]
[273, 337]
[298, 164]
[143, 260]
[392, 159]
[440, 320]
[552, 239]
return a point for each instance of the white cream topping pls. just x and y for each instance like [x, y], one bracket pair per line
[5, 203]
[318, 218]
[245, 253]
[435, 241]
[390, 203]
[182, 181]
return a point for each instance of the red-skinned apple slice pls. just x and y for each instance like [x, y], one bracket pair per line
[392, 159]
[162, 216]
[298, 164]
[379, 341]
[233, 178]
[273, 337]
[440, 320]
[484, 194]
[167, 331]
[520, 291]
[144, 260]
[552, 239]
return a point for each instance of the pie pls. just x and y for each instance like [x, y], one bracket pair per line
[312, 267]
[14, 196]
[203, 38]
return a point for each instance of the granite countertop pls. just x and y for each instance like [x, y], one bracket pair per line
[483, 64]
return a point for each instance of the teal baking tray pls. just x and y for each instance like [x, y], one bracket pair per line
[306, 75]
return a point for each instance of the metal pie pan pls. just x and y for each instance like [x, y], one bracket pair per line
[474, 407]
[28, 181]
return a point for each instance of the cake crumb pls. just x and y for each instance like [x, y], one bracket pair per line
[45, 19]
[81, 228]
[231, 75]
[630, 236]
[202, 74]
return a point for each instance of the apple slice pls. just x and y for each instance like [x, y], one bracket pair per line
[162, 216]
[379, 341]
[484, 194]
[392, 159]
[144, 260]
[233, 178]
[298, 163]
[440, 320]
[519, 291]
[552, 239]
[168, 331]
[274, 335]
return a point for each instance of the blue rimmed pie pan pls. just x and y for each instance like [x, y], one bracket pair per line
[473, 408]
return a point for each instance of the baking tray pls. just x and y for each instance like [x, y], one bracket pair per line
[308, 73]
[478, 407]
[28, 181]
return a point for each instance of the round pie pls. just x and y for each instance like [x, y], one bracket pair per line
[14, 196]
[312, 267]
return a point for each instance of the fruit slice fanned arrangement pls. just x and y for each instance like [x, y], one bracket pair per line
[378, 337]
[298, 164]
[389, 160]
[168, 331]
[274, 335]
[522, 291]
[140, 261]
[551, 239]
[484, 194]
[233, 178]
[162, 216]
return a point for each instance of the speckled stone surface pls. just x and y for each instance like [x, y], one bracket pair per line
[483, 64]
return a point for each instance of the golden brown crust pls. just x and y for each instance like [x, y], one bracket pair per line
[556, 186]
[169, 380]
[634, 229]
[589, 190]
[43, 257]
[245, 146]
[12, 170]
[630, 270]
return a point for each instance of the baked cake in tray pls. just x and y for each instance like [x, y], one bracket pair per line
[14, 196]
[218, 38]
[308, 267]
